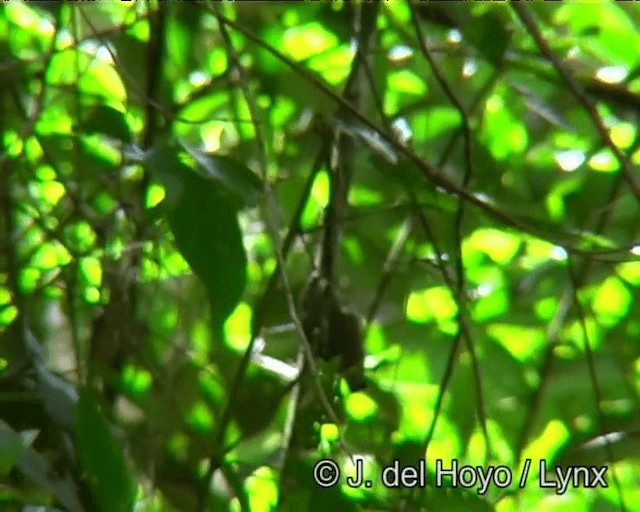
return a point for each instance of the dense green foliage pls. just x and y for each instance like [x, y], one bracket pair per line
[465, 177]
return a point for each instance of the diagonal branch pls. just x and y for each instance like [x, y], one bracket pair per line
[527, 20]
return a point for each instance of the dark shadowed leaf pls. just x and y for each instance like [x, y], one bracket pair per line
[236, 177]
[101, 458]
[203, 219]
[108, 121]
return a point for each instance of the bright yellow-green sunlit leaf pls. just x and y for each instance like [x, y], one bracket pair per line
[360, 196]
[91, 271]
[320, 196]
[405, 81]
[329, 432]
[524, 343]
[307, 40]
[102, 79]
[603, 161]
[200, 417]
[501, 131]
[623, 134]
[574, 332]
[237, 328]
[612, 299]
[51, 255]
[630, 272]
[500, 246]
[490, 305]
[48, 192]
[375, 340]
[262, 489]
[334, 65]
[81, 236]
[360, 407]
[135, 379]
[546, 308]
[155, 194]
[554, 436]
[431, 304]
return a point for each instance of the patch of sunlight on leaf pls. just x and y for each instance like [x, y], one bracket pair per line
[545, 446]
[13, 144]
[490, 306]
[200, 418]
[103, 80]
[500, 246]
[216, 61]
[282, 110]
[91, 295]
[570, 500]
[603, 161]
[136, 379]
[446, 446]
[7, 315]
[48, 192]
[435, 303]
[523, 343]
[615, 41]
[155, 195]
[96, 145]
[173, 264]
[29, 19]
[80, 236]
[262, 489]
[91, 271]
[320, 189]
[435, 122]
[623, 134]
[570, 159]
[554, 203]
[334, 65]
[630, 272]
[546, 308]
[329, 432]
[612, 74]
[574, 333]
[211, 386]
[237, 328]
[361, 196]
[28, 279]
[211, 134]
[46, 173]
[502, 133]
[5, 295]
[319, 200]
[477, 447]
[360, 407]
[375, 341]
[306, 40]
[612, 300]
[407, 82]
[400, 11]
[537, 252]
[104, 203]
[50, 255]
[417, 402]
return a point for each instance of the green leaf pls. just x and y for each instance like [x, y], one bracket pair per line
[236, 177]
[108, 121]
[205, 226]
[203, 219]
[101, 458]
